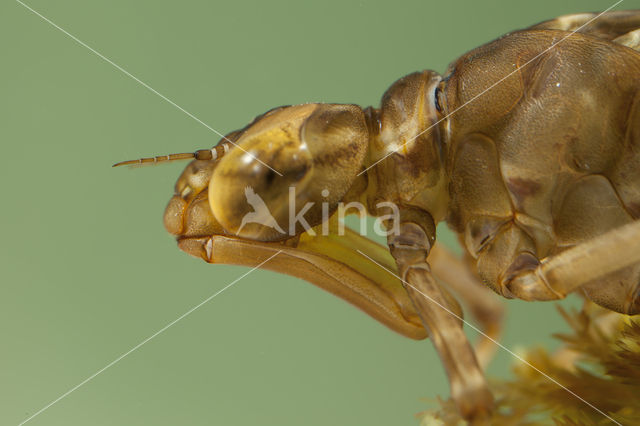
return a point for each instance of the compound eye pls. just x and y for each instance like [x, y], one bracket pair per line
[250, 200]
[249, 190]
[282, 166]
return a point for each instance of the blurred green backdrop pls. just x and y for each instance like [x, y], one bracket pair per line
[88, 270]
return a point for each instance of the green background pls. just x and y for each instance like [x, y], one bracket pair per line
[87, 269]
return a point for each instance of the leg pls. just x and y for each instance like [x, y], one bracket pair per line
[608, 26]
[438, 311]
[329, 262]
[483, 304]
[630, 39]
[563, 273]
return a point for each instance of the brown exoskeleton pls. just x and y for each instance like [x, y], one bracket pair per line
[528, 147]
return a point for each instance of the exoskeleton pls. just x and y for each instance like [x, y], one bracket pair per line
[528, 147]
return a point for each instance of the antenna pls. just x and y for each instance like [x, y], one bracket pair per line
[214, 153]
